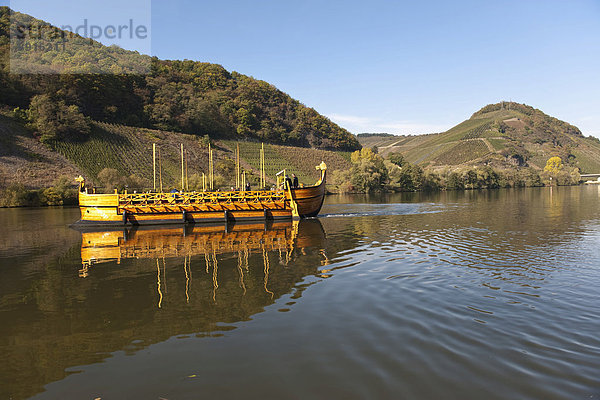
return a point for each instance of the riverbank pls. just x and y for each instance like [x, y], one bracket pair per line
[61, 193]
[372, 173]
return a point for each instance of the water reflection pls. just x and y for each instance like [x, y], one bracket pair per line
[284, 240]
[127, 289]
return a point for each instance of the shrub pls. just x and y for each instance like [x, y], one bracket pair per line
[16, 195]
[454, 181]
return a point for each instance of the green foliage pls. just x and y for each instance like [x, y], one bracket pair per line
[553, 165]
[226, 168]
[369, 173]
[111, 179]
[54, 120]
[557, 173]
[406, 178]
[488, 178]
[16, 195]
[20, 115]
[397, 159]
[411, 177]
[205, 141]
[342, 179]
[183, 96]
[455, 181]
[62, 192]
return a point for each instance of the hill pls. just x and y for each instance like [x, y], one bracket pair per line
[502, 135]
[191, 97]
[128, 150]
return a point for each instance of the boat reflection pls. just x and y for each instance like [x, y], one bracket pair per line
[288, 240]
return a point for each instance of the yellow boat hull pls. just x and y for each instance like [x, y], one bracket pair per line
[194, 207]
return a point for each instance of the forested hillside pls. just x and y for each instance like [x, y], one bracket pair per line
[191, 97]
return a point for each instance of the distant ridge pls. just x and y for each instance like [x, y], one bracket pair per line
[366, 135]
[503, 135]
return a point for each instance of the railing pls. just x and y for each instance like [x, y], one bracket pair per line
[196, 198]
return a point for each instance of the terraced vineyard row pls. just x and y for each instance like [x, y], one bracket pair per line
[126, 149]
[458, 132]
[478, 131]
[129, 151]
[100, 151]
[462, 152]
[425, 154]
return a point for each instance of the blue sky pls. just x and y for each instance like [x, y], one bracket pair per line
[386, 66]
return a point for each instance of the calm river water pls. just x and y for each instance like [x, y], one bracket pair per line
[456, 295]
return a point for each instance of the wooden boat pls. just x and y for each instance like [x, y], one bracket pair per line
[198, 207]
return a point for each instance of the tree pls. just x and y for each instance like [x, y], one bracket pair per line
[407, 178]
[397, 158]
[369, 173]
[111, 179]
[470, 178]
[454, 181]
[226, 168]
[553, 165]
[55, 120]
[488, 178]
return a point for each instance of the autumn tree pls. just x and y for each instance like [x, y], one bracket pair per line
[369, 173]
[54, 120]
[553, 165]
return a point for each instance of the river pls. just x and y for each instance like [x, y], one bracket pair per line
[454, 295]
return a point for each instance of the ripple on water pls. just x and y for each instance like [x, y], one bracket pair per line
[442, 324]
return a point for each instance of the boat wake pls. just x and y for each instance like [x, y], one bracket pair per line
[369, 210]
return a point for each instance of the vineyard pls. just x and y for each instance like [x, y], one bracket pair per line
[421, 154]
[298, 160]
[478, 131]
[129, 151]
[463, 152]
[497, 143]
[100, 151]
[588, 161]
[468, 129]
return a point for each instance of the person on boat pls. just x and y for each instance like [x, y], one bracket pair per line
[248, 187]
[288, 181]
[294, 181]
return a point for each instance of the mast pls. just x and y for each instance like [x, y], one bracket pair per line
[237, 165]
[160, 170]
[210, 168]
[182, 180]
[154, 164]
[187, 186]
[262, 166]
